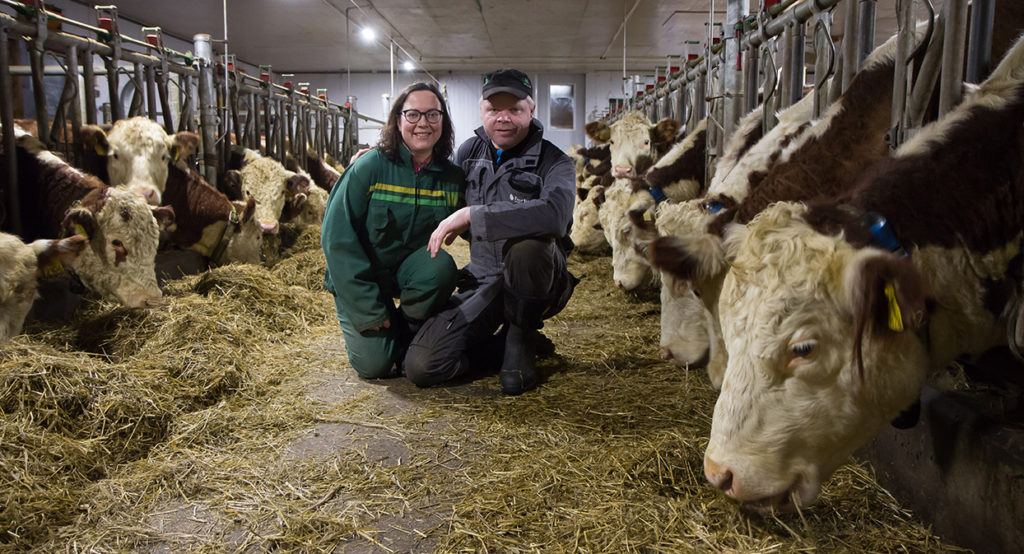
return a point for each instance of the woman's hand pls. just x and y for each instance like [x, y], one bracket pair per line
[452, 226]
[385, 325]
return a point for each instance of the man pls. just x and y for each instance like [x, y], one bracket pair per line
[519, 194]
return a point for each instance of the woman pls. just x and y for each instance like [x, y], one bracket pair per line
[375, 231]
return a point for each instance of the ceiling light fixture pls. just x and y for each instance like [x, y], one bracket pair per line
[408, 65]
[368, 34]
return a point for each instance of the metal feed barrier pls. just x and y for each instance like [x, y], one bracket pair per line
[181, 91]
[734, 74]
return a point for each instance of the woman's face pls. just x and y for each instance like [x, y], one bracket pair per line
[420, 137]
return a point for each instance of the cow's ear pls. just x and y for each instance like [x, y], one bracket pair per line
[599, 131]
[665, 131]
[94, 137]
[582, 193]
[79, 221]
[248, 209]
[52, 256]
[164, 216]
[231, 184]
[598, 194]
[297, 184]
[642, 218]
[886, 295]
[183, 145]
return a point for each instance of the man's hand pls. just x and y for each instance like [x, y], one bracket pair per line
[385, 325]
[452, 226]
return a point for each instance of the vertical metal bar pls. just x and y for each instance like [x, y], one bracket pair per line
[866, 31]
[796, 63]
[786, 98]
[736, 13]
[75, 107]
[950, 87]
[824, 58]
[89, 76]
[979, 47]
[35, 53]
[351, 130]
[282, 127]
[851, 62]
[151, 92]
[266, 122]
[162, 85]
[113, 90]
[750, 69]
[12, 198]
[207, 106]
[137, 82]
[904, 46]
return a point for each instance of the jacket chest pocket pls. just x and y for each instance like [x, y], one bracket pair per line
[382, 226]
[524, 185]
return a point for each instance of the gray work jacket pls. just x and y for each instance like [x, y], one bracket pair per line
[529, 194]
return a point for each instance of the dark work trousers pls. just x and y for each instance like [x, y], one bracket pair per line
[536, 286]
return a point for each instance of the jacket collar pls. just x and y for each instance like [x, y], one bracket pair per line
[406, 157]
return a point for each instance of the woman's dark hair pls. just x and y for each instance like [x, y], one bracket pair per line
[391, 136]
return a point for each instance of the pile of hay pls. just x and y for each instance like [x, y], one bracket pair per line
[229, 420]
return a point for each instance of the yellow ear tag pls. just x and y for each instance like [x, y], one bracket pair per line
[100, 150]
[895, 317]
[648, 216]
[53, 268]
[79, 230]
[177, 154]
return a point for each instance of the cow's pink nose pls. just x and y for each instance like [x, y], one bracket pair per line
[666, 353]
[618, 283]
[622, 170]
[717, 475]
[269, 228]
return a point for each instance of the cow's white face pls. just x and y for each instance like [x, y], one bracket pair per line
[120, 260]
[794, 404]
[17, 284]
[246, 244]
[631, 148]
[684, 324]
[586, 232]
[630, 268]
[270, 183]
[139, 149]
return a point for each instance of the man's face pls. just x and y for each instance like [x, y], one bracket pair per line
[506, 119]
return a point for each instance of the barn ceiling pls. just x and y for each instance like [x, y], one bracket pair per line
[299, 36]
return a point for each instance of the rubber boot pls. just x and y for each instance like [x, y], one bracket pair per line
[518, 366]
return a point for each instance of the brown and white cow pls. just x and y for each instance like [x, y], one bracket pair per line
[627, 216]
[123, 230]
[635, 143]
[137, 151]
[687, 328]
[796, 160]
[320, 173]
[831, 332]
[21, 266]
[220, 230]
[270, 183]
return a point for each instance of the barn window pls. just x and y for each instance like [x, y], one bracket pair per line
[561, 107]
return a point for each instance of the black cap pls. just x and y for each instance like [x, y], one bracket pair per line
[512, 81]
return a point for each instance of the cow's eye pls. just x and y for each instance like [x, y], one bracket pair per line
[611, 142]
[116, 243]
[163, 158]
[804, 349]
[647, 142]
[115, 155]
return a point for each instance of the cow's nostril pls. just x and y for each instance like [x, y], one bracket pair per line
[720, 477]
[666, 354]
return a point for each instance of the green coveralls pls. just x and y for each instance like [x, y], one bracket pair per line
[379, 218]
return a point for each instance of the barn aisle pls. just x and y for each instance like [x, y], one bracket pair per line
[252, 433]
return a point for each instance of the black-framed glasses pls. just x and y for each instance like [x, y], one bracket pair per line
[413, 116]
